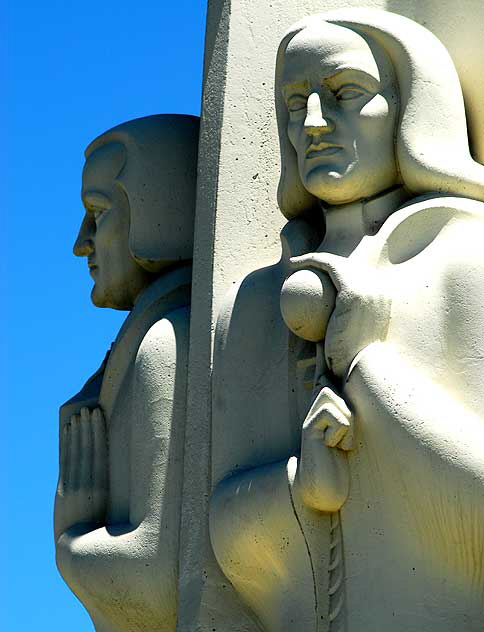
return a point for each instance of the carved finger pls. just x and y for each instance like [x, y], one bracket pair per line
[330, 420]
[100, 461]
[64, 454]
[347, 442]
[345, 418]
[336, 401]
[326, 262]
[320, 399]
[318, 420]
[325, 397]
[74, 445]
[85, 455]
[338, 426]
[328, 425]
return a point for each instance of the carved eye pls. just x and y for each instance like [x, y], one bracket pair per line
[349, 92]
[296, 103]
[97, 213]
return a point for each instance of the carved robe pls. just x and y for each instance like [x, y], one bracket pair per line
[406, 552]
[125, 571]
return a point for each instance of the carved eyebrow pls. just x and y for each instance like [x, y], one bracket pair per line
[353, 75]
[333, 82]
[93, 200]
[296, 87]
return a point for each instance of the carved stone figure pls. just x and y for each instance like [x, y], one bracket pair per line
[117, 507]
[378, 522]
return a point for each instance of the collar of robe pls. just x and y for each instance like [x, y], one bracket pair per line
[347, 224]
[171, 291]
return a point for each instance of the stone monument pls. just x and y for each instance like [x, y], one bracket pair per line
[295, 440]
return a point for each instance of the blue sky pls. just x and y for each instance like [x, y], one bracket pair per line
[74, 69]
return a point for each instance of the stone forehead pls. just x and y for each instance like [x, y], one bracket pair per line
[330, 45]
[103, 165]
[326, 39]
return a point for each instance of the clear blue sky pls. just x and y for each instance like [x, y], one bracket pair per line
[74, 69]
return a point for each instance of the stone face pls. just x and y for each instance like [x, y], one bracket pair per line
[118, 502]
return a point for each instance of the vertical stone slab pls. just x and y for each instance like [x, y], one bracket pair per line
[194, 525]
[238, 226]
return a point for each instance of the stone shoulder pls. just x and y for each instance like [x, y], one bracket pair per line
[166, 340]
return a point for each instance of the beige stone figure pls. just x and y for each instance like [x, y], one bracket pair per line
[378, 522]
[117, 507]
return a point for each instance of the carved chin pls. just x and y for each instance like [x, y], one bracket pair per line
[334, 184]
[102, 298]
[98, 298]
[108, 299]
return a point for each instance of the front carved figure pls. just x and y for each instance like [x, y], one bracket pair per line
[387, 491]
[117, 507]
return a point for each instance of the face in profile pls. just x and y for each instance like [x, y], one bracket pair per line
[342, 109]
[104, 234]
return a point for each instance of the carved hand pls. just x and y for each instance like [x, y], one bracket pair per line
[362, 308]
[83, 482]
[322, 476]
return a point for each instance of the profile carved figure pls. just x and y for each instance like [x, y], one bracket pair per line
[373, 136]
[117, 508]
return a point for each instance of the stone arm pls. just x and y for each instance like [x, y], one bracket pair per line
[416, 398]
[121, 569]
[411, 328]
[433, 443]
[418, 401]
[384, 385]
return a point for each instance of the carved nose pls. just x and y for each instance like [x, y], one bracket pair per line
[84, 245]
[315, 122]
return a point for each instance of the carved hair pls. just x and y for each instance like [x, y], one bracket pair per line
[158, 176]
[432, 146]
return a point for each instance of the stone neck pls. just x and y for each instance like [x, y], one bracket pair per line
[164, 285]
[346, 225]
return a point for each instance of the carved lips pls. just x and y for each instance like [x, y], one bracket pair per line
[92, 267]
[322, 149]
